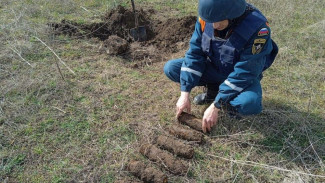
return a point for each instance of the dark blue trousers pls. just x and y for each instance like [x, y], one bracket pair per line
[248, 102]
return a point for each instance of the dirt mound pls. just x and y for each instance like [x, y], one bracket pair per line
[121, 20]
[77, 30]
[173, 31]
[166, 36]
[116, 22]
[115, 45]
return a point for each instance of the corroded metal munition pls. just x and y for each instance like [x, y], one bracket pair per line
[146, 172]
[174, 165]
[191, 121]
[186, 133]
[175, 146]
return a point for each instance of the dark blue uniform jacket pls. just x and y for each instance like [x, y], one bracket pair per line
[240, 58]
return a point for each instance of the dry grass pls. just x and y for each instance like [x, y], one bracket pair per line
[89, 126]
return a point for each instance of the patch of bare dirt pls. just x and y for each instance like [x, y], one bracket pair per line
[121, 20]
[170, 34]
[115, 45]
[116, 22]
[163, 36]
[77, 30]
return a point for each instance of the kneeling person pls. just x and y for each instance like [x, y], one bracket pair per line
[229, 49]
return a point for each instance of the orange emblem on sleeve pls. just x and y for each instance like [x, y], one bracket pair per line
[267, 24]
[202, 22]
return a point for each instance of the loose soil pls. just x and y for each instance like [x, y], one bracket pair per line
[164, 36]
[186, 133]
[191, 121]
[174, 165]
[115, 45]
[116, 22]
[146, 173]
[173, 31]
[175, 146]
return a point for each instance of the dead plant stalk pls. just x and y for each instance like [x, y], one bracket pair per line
[251, 163]
[14, 50]
[56, 56]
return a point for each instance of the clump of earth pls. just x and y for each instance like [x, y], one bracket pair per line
[115, 45]
[163, 36]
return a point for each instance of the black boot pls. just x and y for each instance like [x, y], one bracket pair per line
[205, 98]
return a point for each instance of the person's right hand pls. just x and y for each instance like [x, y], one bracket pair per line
[210, 118]
[183, 103]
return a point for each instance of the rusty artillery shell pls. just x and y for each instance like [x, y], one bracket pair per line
[191, 121]
[147, 173]
[175, 146]
[174, 165]
[186, 133]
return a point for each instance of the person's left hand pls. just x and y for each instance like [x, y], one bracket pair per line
[210, 118]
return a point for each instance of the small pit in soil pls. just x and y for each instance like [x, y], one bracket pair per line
[164, 36]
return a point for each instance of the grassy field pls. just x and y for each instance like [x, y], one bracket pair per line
[85, 128]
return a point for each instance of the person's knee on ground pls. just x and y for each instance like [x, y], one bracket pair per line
[249, 105]
[172, 69]
[249, 101]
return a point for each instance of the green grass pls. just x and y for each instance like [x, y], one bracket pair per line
[89, 126]
[11, 164]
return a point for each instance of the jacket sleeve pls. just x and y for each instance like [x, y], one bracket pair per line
[247, 69]
[194, 63]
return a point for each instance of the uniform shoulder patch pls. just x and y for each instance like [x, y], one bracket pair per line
[258, 46]
[263, 32]
[267, 24]
[202, 22]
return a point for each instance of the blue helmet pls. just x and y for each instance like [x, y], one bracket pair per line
[217, 10]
